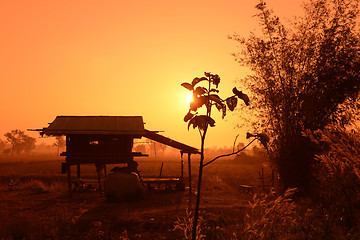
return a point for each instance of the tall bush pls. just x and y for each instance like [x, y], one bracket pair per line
[306, 75]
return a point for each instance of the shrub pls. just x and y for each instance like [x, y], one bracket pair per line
[33, 187]
[185, 226]
[305, 75]
[338, 175]
[271, 217]
[280, 217]
[333, 212]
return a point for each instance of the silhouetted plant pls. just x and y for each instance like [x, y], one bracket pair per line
[306, 76]
[208, 97]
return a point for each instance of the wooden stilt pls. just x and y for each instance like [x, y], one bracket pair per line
[182, 167]
[78, 170]
[68, 169]
[161, 168]
[98, 169]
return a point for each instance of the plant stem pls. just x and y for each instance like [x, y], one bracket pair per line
[197, 204]
[227, 155]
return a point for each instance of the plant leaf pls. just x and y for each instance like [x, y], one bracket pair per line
[242, 96]
[264, 139]
[214, 90]
[221, 107]
[197, 102]
[215, 98]
[192, 122]
[187, 86]
[215, 80]
[199, 91]
[210, 121]
[231, 103]
[197, 80]
[188, 116]
[249, 135]
[218, 106]
[223, 111]
[201, 122]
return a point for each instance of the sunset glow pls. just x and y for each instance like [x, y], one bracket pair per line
[118, 58]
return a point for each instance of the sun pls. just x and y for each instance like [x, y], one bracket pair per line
[189, 98]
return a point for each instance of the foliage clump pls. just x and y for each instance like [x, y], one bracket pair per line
[208, 97]
[306, 76]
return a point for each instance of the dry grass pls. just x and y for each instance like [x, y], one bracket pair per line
[33, 185]
[332, 213]
[37, 203]
[184, 225]
[33, 205]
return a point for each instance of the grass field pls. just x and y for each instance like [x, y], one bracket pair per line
[34, 202]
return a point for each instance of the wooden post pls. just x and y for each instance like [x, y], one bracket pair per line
[182, 166]
[78, 170]
[189, 166]
[162, 165]
[68, 169]
[98, 169]
[105, 170]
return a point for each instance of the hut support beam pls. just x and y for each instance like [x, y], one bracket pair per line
[68, 170]
[182, 166]
[98, 169]
[78, 170]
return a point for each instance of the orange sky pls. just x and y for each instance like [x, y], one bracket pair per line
[85, 57]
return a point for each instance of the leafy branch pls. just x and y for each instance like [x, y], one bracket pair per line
[209, 97]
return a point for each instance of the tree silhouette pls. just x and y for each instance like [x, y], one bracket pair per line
[2, 145]
[59, 143]
[20, 142]
[207, 97]
[306, 77]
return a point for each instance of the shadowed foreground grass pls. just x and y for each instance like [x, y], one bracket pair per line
[35, 206]
[34, 203]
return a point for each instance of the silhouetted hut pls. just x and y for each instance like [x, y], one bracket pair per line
[103, 140]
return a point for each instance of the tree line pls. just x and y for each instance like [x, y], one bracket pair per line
[18, 142]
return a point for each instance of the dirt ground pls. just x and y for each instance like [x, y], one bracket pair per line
[159, 215]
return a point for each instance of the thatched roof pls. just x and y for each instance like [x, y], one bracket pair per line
[109, 125]
[96, 125]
